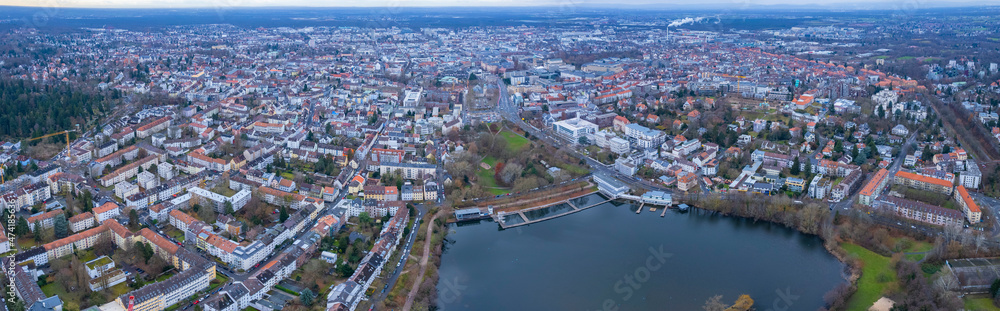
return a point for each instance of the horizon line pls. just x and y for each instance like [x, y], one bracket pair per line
[822, 6]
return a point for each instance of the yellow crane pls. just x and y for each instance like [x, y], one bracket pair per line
[68, 151]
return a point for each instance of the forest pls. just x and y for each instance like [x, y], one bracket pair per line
[30, 109]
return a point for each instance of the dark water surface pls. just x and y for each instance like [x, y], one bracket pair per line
[609, 255]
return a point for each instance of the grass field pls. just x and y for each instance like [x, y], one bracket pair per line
[514, 142]
[978, 303]
[877, 278]
[490, 183]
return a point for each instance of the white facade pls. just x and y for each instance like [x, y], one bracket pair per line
[575, 128]
[643, 137]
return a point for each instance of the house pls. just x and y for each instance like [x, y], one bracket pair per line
[686, 181]
[795, 184]
[900, 130]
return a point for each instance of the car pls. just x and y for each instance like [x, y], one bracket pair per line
[196, 301]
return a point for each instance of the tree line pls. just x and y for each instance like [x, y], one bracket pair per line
[30, 109]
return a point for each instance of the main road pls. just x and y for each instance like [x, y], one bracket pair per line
[509, 112]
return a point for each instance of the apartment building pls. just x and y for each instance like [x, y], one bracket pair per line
[106, 211]
[920, 211]
[873, 188]
[969, 207]
[642, 137]
[924, 182]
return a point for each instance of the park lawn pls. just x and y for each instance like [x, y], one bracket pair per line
[287, 175]
[490, 160]
[515, 142]
[488, 181]
[918, 247]
[979, 303]
[870, 288]
[575, 169]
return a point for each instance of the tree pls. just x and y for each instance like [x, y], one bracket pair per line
[86, 200]
[38, 231]
[146, 251]
[808, 168]
[21, 228]
[364, 218]
[283, 214]
[796, 166]
[345, 270]
[307, 297]
[229, 208]
[133, 218]
[583, 140]
[207, 214]
[61, 226]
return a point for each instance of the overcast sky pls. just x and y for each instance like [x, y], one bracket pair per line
[467, 3]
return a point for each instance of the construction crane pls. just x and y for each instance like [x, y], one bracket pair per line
[131, 302]
[68, 151]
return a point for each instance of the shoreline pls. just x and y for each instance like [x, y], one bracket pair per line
[851, 273]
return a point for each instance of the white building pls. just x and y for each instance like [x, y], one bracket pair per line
[166, 171]
[575, 128]
[125, 189]
[147, 180]
[885, 99]
[106, 211]
[218, 201]
[642, 137]
[819, 188]
[971, 177]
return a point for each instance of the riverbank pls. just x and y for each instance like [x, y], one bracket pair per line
[812, 219]
[538, 266]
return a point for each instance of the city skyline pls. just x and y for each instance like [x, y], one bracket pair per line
[628, 4]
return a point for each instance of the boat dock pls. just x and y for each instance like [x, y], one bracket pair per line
[500, 218]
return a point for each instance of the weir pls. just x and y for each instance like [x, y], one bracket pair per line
[499, 218]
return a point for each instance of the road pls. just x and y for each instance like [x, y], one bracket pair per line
[509, 112]
[992, 213]
[404, 255]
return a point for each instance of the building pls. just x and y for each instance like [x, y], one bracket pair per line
[81, 221]
[574, 129]
[795, 184]
[873, 188]
[103, 274]
[972, 212]
[686, 181]
[45, 219]
[923, 182]
[409, 170]
[238, 200]
[920, 211]
[819, 188]
[971, 177]
[657, 198]
[609, 185]
[106, 211]
[642, 137]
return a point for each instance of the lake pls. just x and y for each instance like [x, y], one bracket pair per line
[608, 258]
